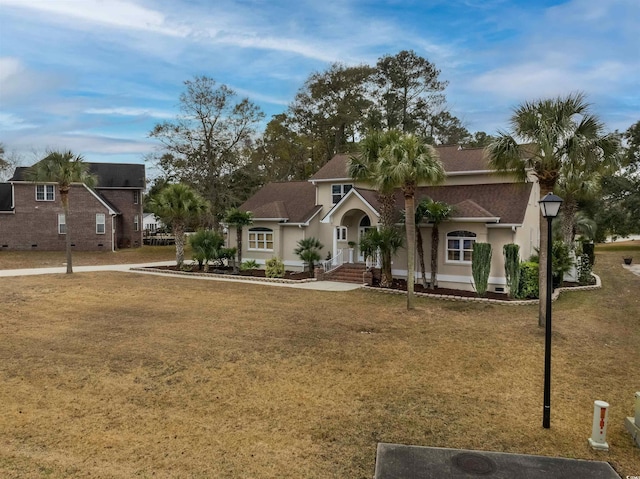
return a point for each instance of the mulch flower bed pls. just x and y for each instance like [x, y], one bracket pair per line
[255, 273]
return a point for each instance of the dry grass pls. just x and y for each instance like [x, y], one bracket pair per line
[45, 259]
[123, 375]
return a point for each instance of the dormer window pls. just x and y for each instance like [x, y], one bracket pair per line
[338, 191]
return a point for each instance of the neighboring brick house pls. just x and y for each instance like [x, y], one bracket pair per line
[104, 218]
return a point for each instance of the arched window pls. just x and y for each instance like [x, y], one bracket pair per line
[261, 239]
[365, 221]
[460, 246]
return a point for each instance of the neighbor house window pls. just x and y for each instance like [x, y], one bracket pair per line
[341, 233]
[136, 223]
[136, 197]
[460, 246]
[100, 223]
[62, 224]
[261, 239]
[45, 193]
[338, 191]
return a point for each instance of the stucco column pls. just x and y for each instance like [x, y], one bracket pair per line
[335, 243]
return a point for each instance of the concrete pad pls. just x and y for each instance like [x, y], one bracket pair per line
[395, 461]
[634, 268]
[634, 429]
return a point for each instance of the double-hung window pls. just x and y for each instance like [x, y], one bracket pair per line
[136, 197]
[261, 239]
[62, 224]
[341, 233]
[45, 193]
[100, 223]
[338, 191]
[460, 246]
[136, 223]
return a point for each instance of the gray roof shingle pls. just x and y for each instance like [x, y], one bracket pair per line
[110, 175]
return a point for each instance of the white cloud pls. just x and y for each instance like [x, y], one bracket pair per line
[130, 111]
[10, 122]
[8, 68]
[114, 13]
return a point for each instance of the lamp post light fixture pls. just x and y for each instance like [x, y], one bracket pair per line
[549, 207]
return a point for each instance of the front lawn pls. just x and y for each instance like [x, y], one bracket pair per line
[128, 375]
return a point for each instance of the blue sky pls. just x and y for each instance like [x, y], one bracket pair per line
[94, 76]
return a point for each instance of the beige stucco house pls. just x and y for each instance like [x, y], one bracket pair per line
[330, 206]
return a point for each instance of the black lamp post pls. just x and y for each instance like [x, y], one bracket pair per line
[549, 207]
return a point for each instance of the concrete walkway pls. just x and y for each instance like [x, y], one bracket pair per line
[311, 285]
[634, 268]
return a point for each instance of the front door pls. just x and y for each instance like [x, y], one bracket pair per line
[364, 226]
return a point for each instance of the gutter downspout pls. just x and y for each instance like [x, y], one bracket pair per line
[113, 233]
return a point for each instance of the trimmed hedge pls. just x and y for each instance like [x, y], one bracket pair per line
[528, 280]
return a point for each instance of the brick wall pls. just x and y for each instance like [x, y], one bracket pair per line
[123, 200]
[34, 224]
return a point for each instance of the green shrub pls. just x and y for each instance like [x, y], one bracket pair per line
[274, 268]
[528, 288]
[481, 266]
[589, 250]
[249, 264]
[512, 268]
[562, 262]
[584, 270]
[309, 251]
[206, 246]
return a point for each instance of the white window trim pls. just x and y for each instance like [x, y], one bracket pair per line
[474, 238]
[257, 241]
[45, 189]
[342, 191]
[103, 223]
[62, 222]
[136, 223]
[341, 233]
[136, 197]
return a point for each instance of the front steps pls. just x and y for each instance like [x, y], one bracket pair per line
[347, 273]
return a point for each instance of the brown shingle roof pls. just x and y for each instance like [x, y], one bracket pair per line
[507, 201]
[291, 202]
[453, 159]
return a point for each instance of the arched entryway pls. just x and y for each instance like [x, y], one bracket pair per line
[363, 226]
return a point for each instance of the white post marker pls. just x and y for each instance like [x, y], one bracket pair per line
[633, 423]
[598, 439]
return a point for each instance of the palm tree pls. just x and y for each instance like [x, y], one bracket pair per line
[177, 205]
[206, 246]
[309, 251]
[559, 131]
[365, 167]
[420, 214]
[386, 240]
[63, 168]
[407, 162]
[239, 219]
[436, 212]
[575, 185]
